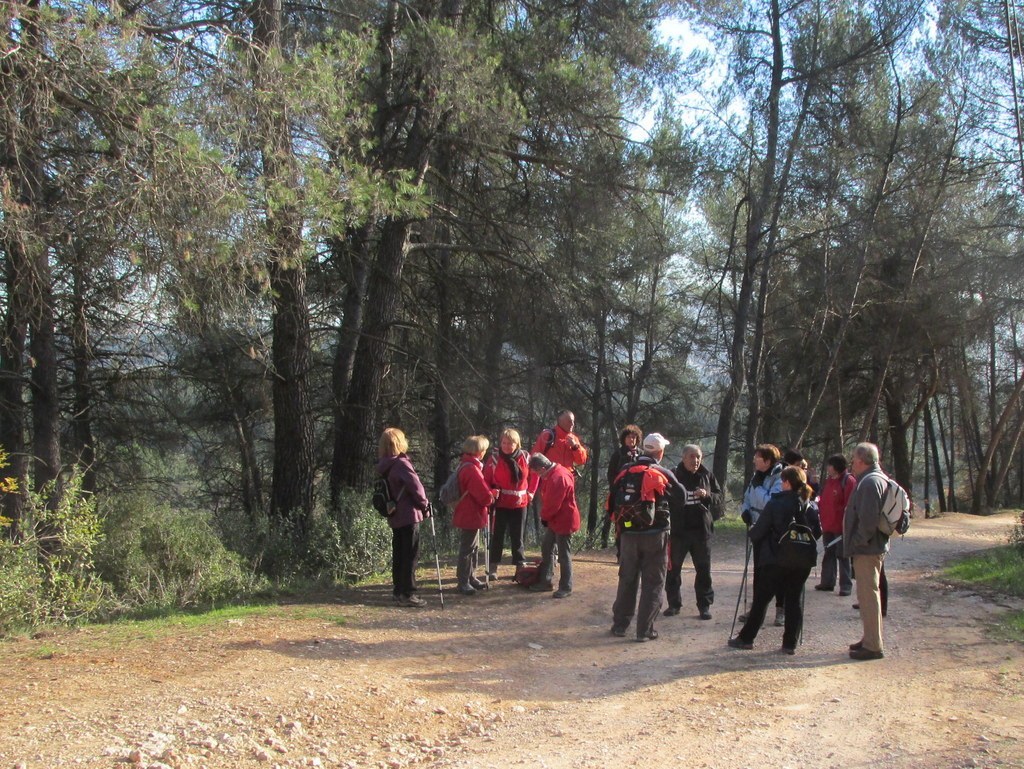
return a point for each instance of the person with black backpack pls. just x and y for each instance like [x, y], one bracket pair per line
[410, 508]
[771, 573]
[640, 508]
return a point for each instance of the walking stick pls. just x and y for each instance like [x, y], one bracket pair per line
[487, 548]
[742, 592]
[437, 560]
[803, 592]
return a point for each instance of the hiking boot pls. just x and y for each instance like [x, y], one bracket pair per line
[412, 600]
[790, 650]
[738, 643]
[705, 614]
[780, 616]
[541, 587]
[477, 584]
[619, 632]
[743, 617]
[650, 635]
[561, 594]
[855, 646]
[671, 611]
[467, 590]
[844, 593]
[824, 588]
[865, 654]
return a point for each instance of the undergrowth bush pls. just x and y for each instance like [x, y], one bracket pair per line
[159, 558]
[46, 568]
[1017, 535]
[347, 546]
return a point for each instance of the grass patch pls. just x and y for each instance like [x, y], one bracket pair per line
[1000, 570]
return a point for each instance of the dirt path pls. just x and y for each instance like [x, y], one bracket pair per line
[518, 679]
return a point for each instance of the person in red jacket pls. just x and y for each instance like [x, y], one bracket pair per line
[560, 444]
[471, 511]
[832, 503]
[561, 519]
[507, 472]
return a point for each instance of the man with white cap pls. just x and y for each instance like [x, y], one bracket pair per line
[639, 506]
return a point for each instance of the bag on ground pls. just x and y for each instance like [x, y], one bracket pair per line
[527, 573]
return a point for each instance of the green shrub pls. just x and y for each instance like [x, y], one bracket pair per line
[1017, 536]
[160, 558]
[349, 545]
[47, 573]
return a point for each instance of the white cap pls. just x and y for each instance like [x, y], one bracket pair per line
[655, 442]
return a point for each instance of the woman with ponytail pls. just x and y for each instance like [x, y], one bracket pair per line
[782, 509]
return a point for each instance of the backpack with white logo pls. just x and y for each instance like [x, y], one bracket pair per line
[895, 511]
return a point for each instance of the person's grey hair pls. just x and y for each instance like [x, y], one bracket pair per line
[540, 462]
[692, 448]
[866, 453]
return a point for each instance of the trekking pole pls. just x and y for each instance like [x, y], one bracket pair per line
[742, 590]
[803, 592]
[487, 548]
[437, 559]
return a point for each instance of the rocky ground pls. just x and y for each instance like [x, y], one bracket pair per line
[512, 678]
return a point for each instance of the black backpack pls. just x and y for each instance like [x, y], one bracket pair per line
[630, 512]
[382, 499]
[797, 548]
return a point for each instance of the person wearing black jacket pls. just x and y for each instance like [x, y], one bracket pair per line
[627, 451]
[782, 509]
[692, 521]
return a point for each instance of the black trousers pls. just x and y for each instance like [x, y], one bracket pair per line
[769, 580]
[512, 521]
[405, 558]
[696, 544]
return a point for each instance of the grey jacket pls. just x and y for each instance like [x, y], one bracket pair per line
[860, 525]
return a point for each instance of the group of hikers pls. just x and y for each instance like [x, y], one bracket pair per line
[660, 517]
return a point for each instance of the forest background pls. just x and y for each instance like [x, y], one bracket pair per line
[240, 238]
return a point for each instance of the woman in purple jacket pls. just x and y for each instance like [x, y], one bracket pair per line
[411, 507]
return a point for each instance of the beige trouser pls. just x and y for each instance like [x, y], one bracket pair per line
[866, 570]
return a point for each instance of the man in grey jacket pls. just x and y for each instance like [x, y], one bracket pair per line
[867, 546]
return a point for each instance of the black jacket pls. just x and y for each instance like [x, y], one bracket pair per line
[690, 514]
[769, 527]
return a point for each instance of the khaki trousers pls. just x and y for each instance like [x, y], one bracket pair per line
[866, 570]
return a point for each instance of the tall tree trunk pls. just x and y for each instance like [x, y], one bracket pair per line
[929, 429]
[994, 441]
[600, 329]
[30, 293]
[292, 487]
[898, 452]
[382, 293]
[81, 419]
[350, 254]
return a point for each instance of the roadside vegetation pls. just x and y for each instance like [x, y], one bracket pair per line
[1001, 570]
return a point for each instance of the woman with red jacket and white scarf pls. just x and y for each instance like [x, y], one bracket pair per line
[471, 511]
[508, 473]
